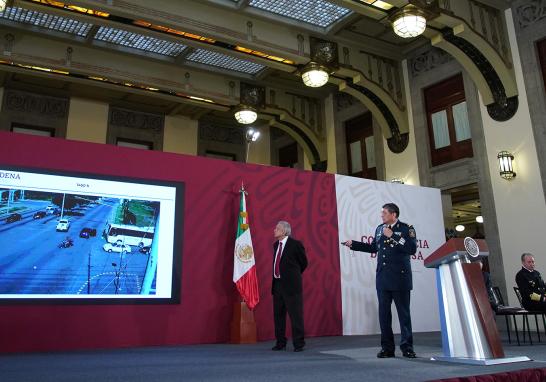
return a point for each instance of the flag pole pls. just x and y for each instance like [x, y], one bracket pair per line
[243, 324]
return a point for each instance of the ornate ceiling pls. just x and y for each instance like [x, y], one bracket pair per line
[199, 52]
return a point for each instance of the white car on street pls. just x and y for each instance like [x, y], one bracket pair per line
[116, 247]
[63, 225]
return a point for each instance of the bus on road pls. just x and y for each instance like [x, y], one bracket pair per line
[129, 234]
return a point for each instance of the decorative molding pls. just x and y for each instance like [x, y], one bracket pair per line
[530, 13]
[36, 104]
[307, 109]
[8, 44]
[344, 101]
[504, 107]
[135, 119]
[398, 142]
[324, 52]
[386, 73]
[221, 132]
[428, 60]
[252, 95]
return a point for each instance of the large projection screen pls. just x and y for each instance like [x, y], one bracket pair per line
[84, 238]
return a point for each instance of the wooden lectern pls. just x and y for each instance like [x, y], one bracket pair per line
[469, 329]
[243, 326]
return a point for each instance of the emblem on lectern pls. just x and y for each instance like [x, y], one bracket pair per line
[244, 253]
[471, 247]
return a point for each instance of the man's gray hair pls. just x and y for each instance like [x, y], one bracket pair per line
[525, 255]
[286, 226]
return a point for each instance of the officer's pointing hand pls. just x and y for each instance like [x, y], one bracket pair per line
[347, 243]
[387, 232]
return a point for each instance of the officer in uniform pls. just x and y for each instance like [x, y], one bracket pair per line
[394, 242]
[530, 284]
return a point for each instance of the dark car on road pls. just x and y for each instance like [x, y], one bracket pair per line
[13, 218]
[146, 249]
[86, 232]
[39, 215]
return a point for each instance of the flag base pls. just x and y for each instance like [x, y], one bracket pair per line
[243, 326]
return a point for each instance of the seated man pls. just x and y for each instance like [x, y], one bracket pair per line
[493, 301]
[530, 284]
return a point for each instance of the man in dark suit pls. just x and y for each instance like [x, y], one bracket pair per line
[530, 284]
[394, 242]
[289, 262]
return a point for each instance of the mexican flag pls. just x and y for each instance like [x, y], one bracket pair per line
[244, 264]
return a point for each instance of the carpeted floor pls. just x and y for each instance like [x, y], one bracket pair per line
[325, 359]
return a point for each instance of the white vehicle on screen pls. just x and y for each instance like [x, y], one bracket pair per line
[116, 247]
[129, 234]
[63, 225]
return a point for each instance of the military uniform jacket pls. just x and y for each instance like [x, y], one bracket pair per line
[529, 283]
[393, 271]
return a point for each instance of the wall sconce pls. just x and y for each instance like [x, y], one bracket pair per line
[506, 169]
[397, 180]
[252, 135]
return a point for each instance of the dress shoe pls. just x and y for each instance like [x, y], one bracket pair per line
[297, 350]
[278, 347]
[385, 354]
[409, 354]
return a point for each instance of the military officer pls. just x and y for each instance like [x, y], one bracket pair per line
[530, 284]
[394, 242]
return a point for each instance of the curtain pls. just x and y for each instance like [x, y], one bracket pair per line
[370, 151]
[462, 126]
[356, 156]
[440, 129]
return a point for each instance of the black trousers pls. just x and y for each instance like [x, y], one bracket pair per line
[293, 305]
[536, 306]
[402, 301]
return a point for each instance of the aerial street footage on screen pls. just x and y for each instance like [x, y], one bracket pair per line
[80, 237]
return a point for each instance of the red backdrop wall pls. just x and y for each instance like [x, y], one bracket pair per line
[306, 199]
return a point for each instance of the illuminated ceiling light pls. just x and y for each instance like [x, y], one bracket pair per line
[409, 22]
[459, 228]
[3, 5]
[479, 219]
[506, 169]
[245, 115]
[314, 75]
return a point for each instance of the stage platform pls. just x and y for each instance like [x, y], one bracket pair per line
[349, 358]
